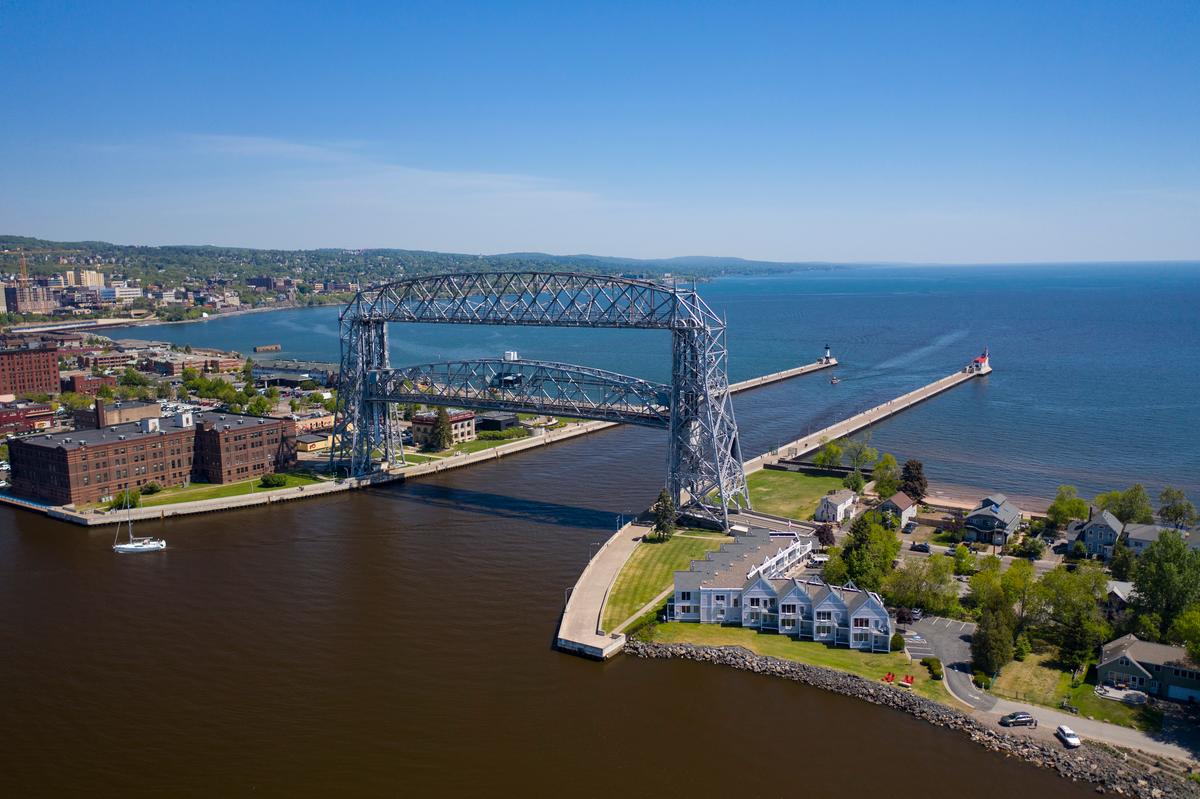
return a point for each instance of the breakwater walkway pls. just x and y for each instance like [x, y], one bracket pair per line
[775, 377]
[864, 419]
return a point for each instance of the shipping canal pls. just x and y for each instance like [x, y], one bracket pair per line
[398, 640]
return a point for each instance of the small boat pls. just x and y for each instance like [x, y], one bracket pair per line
[133, 544]
[835, 380]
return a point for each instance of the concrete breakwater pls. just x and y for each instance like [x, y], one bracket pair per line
[861, 420]
[1106, 769]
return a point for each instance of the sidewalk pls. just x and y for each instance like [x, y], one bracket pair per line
[579, 629]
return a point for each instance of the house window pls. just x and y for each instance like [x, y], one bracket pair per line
[686, 596]
[859, 638]
[824, 615]
[789, 608]
[754, 602]
[862, 622]
[720, 597]
[823, 629]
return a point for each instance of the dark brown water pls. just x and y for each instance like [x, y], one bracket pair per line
[397, 642]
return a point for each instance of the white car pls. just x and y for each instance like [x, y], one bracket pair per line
[1068, 737]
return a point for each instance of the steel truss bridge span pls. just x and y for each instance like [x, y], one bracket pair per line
[526, 386]
[704, 457]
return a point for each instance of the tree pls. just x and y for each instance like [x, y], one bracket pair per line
[912, 480]
[133, 378]
[125, 499]
[259, 406]
[75, 402]
[1167, 578]
[835, 571]
[1130, 505]
[1019, 583]
[887, 476]
[854, 481]
[410, 411]
[1186, 630]
[442, 436]
[1121, 562]
[825, 534]
[923, 583]
[273, 481]
[860, 453]
[1070, 610]
[964, 560]
[248, 370]
[830, 456]
[1067, 505]
[992, 641]
[1175, 509]
[869, 553]
[664, 515]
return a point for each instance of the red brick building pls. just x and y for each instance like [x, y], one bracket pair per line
[230, 447]
[22, 417]
[85, 466]
[29, 371]
[87, 384]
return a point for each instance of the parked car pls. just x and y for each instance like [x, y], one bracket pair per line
[911, 527]
[1068, 737]
[919, 547]
[1018, 719]
[916, 614]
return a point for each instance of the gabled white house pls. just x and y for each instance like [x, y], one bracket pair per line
[835, 507]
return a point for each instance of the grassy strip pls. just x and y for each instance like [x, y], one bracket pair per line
[649, 571]
[864, 664]
[198, 491]
[789, 494]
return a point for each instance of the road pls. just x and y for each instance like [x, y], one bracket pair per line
[950, 641]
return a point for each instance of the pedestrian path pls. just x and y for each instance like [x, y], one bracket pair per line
[579, 631]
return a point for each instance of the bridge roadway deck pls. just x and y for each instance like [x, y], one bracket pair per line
[579, 631]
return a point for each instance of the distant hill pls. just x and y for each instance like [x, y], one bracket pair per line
[176, 264]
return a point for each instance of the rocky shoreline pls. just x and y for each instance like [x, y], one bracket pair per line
[1108, 770]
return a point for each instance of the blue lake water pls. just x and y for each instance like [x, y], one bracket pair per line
[1097, 367]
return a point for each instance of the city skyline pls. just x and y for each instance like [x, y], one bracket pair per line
[937, 135]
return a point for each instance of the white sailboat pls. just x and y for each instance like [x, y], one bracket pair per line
[136, 544]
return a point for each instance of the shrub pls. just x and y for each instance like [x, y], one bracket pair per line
[151, 488]
[503, 435]
[935, 667]
[982, 680]
[125, 499]
[897, 642]
[273, 481]
[1022, 647]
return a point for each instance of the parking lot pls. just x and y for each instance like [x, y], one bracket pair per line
[949, 640]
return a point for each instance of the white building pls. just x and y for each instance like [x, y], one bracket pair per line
[836, 507]
[746, 583]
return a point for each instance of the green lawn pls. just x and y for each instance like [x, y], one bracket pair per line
[650, 570]
[196, 491]
[789, 494]
[865, 664]
[411, 458]
[1038, 681]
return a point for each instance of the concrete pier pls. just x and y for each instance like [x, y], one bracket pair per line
[775, 377]
[864, 419]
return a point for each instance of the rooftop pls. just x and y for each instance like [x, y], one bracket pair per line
[127, 431]
[838, 497]
[1145, 532]
[224, 422]
[901, 500]
[1145, 652]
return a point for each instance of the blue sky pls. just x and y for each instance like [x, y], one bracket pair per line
[927, 132]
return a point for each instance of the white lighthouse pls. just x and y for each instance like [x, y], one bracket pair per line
[828, 355]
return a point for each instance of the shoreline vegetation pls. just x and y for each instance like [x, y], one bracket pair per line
[1107, 768]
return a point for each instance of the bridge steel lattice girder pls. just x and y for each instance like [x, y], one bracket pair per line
[526, 386]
